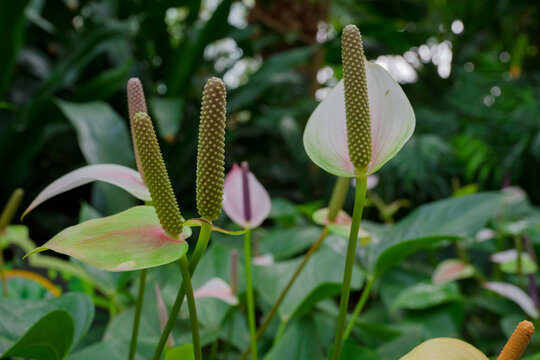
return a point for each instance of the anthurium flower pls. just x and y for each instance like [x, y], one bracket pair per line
[445, 349]
[392, 124]
[216, 288]
[121, 176]
[451, 270]
[515, 294]
[245, 201]
[341, 225]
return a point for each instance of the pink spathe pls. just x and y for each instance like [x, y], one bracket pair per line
[237, 185]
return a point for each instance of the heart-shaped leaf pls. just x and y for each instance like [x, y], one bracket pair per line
[19, 315]
[49, 338]
[130, 240]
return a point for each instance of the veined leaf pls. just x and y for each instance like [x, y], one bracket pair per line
[130, 240]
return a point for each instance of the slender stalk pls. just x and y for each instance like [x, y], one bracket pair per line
[335, 204]
[359, 307]
[360, 198]
[5, 218]
[137, 319]
[338, 197]
[281, 330]
[188, 288]
[202, 242]
[249, 295]
[517, 244]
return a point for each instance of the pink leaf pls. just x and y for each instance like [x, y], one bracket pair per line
[121, 176]
[233, 199]
[263, 260]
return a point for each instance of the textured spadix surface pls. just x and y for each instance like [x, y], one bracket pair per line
[211, 150]
[392, 124]
[356, 97]
[445, 349]
[130, 240]
[155, 174]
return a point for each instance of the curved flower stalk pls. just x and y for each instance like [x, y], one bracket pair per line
[359, 127]
[210, 179]
[122, 176]
[454, 349]
[248, 204]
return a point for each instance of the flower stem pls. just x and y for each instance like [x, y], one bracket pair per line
[188, 289]
[202, 242]
[360, 198]
[338, 197]
[359, 307]
[249, 295]
[335, 204]
[137, 319]
[275, 307]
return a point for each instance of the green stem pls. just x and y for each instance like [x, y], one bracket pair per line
[137, 319]
[202, 242]
[359, 307]
[360, 198]
[188, 288]
[335, 204]
[517, 244]
[338, 197]
[276, 305]
[281, 330]
[5, 218]
[249, 295]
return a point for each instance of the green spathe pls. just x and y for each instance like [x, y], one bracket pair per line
[130, 240]
[445, 349]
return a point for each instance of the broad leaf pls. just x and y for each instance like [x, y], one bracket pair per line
[19, 315]
[130, 240]
[300, 342]
[422, 296]
[48, 339]
[449, 219]
[321, 278]
[168, 114]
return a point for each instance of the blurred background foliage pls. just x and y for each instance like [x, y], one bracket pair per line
[470, 70]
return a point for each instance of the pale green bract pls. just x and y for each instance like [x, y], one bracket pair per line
[130, 240]
[445, 349]
[392, 124]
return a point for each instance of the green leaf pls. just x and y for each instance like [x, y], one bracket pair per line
[48, 339]
[321, 278]
[112, 349]
[448, 219]
[103, 135]
[168, 114]
[184, 352]
[130, 240]
[353, 351]
[284, 243]
[299, 342]
[422, 296]
[19, 315]
[12, 30]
